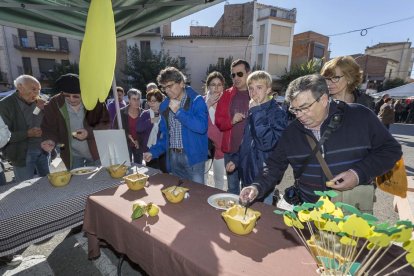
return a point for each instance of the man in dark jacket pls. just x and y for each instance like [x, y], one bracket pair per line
[22, 113]
[359, 149]
[68, 124]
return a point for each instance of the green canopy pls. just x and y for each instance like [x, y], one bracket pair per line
[68, 17]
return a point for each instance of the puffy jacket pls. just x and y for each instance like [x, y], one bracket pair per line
[265, 125]
[361, 143]
[193, 119]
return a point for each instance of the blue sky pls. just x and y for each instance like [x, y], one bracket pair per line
[331, 17]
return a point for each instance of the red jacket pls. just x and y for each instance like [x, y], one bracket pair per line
[223, 118]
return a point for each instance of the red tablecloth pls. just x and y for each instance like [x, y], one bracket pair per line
[191, 238]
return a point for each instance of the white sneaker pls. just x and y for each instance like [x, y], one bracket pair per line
[15, 260]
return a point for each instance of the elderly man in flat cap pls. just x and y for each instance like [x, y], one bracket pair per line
[70, 126]
[22, 113]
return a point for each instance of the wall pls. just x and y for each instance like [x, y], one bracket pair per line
[303, 45]
[201, 52]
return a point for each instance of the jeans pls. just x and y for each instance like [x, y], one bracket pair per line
[37, 161]
[2, 178]
[233, 180]
[78, 162]
[135, 155]
[180, 167]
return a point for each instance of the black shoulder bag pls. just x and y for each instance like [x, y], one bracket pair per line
[292, 193]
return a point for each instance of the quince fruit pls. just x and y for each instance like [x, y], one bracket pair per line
[153, 210]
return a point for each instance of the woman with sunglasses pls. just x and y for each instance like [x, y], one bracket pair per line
[343, 76]
[214, 90]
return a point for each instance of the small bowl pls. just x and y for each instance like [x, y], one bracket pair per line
[235, 222]
[117, 171]
[136, 181]
[174, 196]
[59, 179]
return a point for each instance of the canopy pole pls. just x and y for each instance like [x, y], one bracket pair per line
[118, 113]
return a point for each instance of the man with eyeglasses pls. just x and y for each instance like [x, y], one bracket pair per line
[68, 125]
[231, 113]
[358, 149]
[183, 128]
[22, 112]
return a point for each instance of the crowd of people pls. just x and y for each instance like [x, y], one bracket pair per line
[254, 143]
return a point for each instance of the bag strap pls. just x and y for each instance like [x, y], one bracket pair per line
[321, 160]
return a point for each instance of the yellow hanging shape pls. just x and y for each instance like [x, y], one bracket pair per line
[404, 235]
[356, 226]
[327, 207]
[98, 54]
[380, 239]
[304, 215]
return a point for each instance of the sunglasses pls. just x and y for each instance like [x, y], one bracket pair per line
[239, 74]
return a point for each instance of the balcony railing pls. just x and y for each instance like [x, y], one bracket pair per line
[23, 44]
[278, 13]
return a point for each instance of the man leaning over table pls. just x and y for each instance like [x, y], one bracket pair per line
[359, 148]
[183, 128]
[22, 113]
[70, 126]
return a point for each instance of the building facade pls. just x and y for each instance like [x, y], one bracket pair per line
[33, 53]
[398, 51]
[309, 46]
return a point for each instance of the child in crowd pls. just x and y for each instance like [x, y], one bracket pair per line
[266, 121]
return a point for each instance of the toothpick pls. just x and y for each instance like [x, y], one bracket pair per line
[369, 261]
[351, 259]
[398, 269]
[391, 263]
[379, 258]
[370, 252]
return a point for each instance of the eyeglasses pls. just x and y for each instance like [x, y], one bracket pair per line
[239, 74]
[168, 86]
[334, 79]
[74, 96]
[303, 109]
[216, 85]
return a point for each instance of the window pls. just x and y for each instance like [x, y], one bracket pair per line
[262, 34]
[260, 61]
[181, 61]
[46, 66]
[27, 66]
[277, 64]
[43, 41]
[63, 43]
[24, 41]
[145, 46]
[280, 35]
[318, 51]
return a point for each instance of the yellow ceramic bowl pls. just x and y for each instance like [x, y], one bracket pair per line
[117, 171]
[237, 223]
[136, 181]
[174, 196]
[59, 179]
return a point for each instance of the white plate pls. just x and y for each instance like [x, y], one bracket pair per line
[212, 200]
[84, 170]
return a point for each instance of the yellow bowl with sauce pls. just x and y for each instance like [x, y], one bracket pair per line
[136, 181]
[174, 194]
[59, 179]
[117, 171]
[237, 222]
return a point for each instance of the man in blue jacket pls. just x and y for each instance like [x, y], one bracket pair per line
[183, 128]
[358, 149]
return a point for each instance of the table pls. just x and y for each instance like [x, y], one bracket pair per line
[34, 210]
[191, 238]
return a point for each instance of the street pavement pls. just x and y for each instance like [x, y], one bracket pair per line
[66, 253]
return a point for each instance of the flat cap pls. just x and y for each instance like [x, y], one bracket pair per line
[68, 83]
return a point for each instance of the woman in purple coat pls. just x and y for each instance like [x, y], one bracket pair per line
[147, 128]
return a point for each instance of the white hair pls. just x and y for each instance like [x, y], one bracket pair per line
[22, 79]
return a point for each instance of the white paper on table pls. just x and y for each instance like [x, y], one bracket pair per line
[112, 147]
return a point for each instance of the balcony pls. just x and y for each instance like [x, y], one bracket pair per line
[24, 44]
[278, 13]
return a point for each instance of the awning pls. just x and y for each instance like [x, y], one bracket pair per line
[68, 17]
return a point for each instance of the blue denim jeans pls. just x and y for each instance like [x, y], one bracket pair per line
[233, 180]
[78, 162]
[179, 166]
[37, 162]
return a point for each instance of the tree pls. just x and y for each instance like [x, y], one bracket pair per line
[222, 66]
[310, 67]
[389, 84]
[144, 67]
